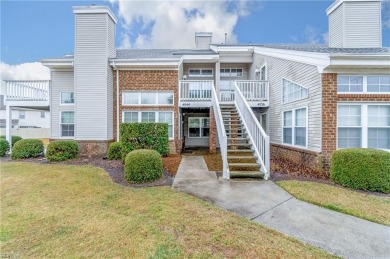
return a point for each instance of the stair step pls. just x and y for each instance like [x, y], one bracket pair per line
[246, 174]
[238, 138]
[236, 134]
[240, 151]
[244, 165]
[239, 144]
[241, 157]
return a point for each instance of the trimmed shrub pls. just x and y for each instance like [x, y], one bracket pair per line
[4, 147]
[114, 151]
[143, 166]
[144, 136]
[27, 148]
[363, 169]
[62, 150]
[14, 139]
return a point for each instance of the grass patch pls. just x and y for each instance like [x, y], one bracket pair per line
[365, 206]
[56, 211]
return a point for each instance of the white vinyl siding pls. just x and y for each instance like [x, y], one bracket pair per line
[198, 127]
[147, 98]
[363, 125]
[336, 28]
[295, 127]
[150, 116]
[293, 92]
[67, 124]
[301, 74]
[61, 81]
[363, 84]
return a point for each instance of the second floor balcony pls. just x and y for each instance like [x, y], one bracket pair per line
[197, 93]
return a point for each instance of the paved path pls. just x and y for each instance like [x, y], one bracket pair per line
[266, 203]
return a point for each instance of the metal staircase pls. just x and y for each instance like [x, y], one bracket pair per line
[242, 161]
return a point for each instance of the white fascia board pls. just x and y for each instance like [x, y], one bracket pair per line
[200, 58]
[232, 49]
[372, 61]
[145, 63]
[321, 60]
[337, 3]
[57, 63]
[95, 9]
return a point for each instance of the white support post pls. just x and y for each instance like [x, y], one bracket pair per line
[8, 125]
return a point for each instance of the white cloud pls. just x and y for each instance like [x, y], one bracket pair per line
[172, 24]
[25, 71]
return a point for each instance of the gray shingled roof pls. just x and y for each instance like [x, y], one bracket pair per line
[159, 53]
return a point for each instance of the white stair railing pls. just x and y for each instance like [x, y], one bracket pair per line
[259, 139]
[253, 90]
[27, 90]
[196, 90]
[222, 138]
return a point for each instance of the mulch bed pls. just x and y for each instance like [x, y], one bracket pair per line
[115, 168]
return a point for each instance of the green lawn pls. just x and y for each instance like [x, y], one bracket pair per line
[366, 206]
[57, 211]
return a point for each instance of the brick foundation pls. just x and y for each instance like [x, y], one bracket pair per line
[90, 148]
[310, 159]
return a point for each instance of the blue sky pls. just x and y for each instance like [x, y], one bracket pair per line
[33, 30]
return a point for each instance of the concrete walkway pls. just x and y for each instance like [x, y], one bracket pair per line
[266, 203]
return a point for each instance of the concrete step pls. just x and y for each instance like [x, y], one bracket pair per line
[246, 174]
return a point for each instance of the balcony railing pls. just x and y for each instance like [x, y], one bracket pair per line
[254, 90]
[192, 90]
[27, 90]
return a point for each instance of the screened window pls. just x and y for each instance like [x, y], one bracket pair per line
[295, 127]
[350, 84]
[206, 72]
[349, 126]
[150, 116]
[67, 124]
[378, 131]
[22, 115]
[67, 98]
[148, 98]
[198, 127]
[379, 84]
[263, 73]
[231, 72]
[293, 92]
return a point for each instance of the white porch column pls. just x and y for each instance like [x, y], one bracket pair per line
[8, 125]
[217, 78]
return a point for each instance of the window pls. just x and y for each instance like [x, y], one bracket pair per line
[232, 72]
[22, 115]
[295, 127]
[147, 98]
[42, 115]
[349, 126]
[293, 92]
[198, 127]
[363, 84]
[67, 98]
[206, 72]
[150, 116]
[378, 84]
[67, 124]
[363, 125]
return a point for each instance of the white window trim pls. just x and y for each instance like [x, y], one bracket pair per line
[363, 122]
[365, 85]
[60, 124]
[156, 98]
[308, 92]
[188, 128]
[230, 73]
[212, 72]
[156, 117]
[293, 127]
[66, 104]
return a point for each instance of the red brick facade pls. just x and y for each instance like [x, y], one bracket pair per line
[149, 80]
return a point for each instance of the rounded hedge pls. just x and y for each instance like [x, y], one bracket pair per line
[27, 148]
[62, 150]
[143, 165]
[114, 151]
[4, 147]
[14, 139]
[362, 169]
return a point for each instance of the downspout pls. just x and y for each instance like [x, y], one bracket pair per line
[117, 101]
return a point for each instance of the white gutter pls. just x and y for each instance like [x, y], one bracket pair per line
[117, 101]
